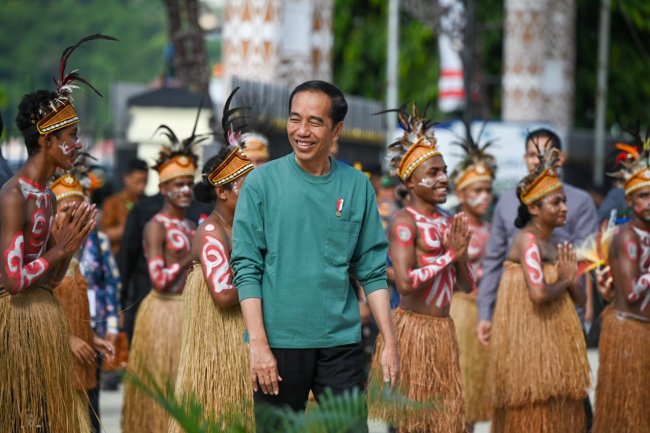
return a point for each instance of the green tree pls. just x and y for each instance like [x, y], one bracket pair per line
[33, 34]
[360, 36]
[629, 63]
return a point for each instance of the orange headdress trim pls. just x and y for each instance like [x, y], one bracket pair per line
[478, 172]
[61, 117]
[67, 186]
[638, 180]
[417, 144]
[416, 155]
[544, 184]
[256, 145]
[177, 166]
[234, 166]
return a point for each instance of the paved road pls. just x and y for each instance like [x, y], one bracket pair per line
[111, 405]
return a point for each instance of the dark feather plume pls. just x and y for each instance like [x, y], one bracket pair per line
[415, 128]
[474, 152]
[64, 82]
[233, 121]
[632, 157]
[178, 147]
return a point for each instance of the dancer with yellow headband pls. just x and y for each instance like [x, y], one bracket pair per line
[428, 249]
[472, 182]
[538, 371]
[72, 293]
[213, 327]
[155, 349]
[36, 383]
[622, 394]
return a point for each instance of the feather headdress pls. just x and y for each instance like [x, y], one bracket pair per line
[477, 165]
[633, 162]
[60, 112]
[177, 158]
[544, 180]
[417, 144]
[236, 164]
[594, 250]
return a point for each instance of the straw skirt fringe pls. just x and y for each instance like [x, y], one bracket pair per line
[155, 353]
[550, 416]
[213, 365]
[36, 383]
[72, 294]
[623, 389]
[429, 373]
[472, 355]
[538, 371]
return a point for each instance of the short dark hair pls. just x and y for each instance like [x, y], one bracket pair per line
[339, 105]
[536, 135]
[136, 164]
[204, 190]
[29, 112]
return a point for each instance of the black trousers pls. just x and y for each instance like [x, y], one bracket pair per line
[339, 369]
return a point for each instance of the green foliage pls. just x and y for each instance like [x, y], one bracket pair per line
[334, 413]
[360, 35]
[629, 63]
[33, 34]
[360, 40]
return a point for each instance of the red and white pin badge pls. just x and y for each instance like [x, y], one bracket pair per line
[339, 206]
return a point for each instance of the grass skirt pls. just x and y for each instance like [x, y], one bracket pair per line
[429, 373]
[155, 352]
[623, 389]
[213, 342]
[72, 294]
[538, 370]
[472, 355]
[36, 383]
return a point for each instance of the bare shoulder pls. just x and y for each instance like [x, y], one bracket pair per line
[402, 228]
[522, 240]
[11, 195]
[153, 226]
[624, 233]
[402, 216]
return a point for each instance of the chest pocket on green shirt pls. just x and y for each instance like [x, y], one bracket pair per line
[340, 241]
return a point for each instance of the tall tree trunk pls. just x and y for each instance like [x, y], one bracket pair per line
[190, 58]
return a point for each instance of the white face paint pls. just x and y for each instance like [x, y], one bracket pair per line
[67, 148]
[478, 200]
[430, 182]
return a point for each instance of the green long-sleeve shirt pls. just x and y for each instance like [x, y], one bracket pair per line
[292, 250]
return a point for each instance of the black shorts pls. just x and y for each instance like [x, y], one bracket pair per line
[339, 368]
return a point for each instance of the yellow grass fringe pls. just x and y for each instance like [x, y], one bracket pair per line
[472, 355]
[214, 359]
[550, 416]
[72, 294]
[623, 388]
[155, 350]
[537, 351]
[36, 383]
[429, 373]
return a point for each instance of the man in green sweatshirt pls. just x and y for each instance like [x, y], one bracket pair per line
[302, 222]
